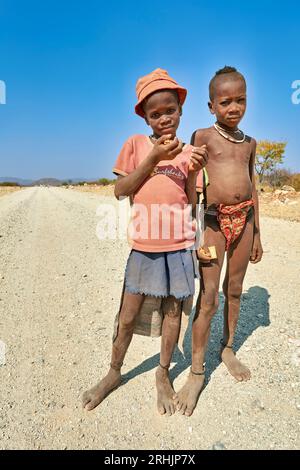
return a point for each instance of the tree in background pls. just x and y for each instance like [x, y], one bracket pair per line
[268, 155]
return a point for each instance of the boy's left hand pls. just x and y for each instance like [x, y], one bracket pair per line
[199, 158]
[257, 250]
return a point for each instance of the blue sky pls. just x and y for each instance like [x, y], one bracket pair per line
[70, 70]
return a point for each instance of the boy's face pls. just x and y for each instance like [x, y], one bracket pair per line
[162, 113]
[229, 101]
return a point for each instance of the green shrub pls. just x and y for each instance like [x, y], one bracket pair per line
[105, 181]
[9, 183]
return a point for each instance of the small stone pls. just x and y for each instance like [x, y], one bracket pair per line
[218, 446]
[282, 330]
[298, 406]
[190, 429]
[258, 404]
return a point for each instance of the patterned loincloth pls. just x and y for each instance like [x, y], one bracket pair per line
[232, 219]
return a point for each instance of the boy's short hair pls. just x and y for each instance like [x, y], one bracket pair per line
[224, 71]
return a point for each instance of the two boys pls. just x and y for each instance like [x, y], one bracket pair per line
[231, 224]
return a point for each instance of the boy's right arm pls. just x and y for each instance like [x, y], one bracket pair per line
[128, 185]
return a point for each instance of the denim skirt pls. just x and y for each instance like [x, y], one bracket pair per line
[162, 274]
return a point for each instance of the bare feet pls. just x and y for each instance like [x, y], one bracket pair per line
[93, 397]
[165, 392]
[187, 397]
[234, 366]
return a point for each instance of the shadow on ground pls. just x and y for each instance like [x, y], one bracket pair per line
[254, 313]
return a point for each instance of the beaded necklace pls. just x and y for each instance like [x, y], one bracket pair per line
[224, 134]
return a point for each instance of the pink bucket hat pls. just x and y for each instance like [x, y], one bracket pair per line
[159, 79]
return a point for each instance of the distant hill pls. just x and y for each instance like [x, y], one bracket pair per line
[13, 179]
[46, 181]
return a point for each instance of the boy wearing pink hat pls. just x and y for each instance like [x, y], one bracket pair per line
[160, 174]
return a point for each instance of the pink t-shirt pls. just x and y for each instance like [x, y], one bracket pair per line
[161, 216]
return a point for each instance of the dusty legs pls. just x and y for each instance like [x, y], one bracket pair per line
[207, 306]
[170, 333]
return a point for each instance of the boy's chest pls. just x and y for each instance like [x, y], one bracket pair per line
[228, 153]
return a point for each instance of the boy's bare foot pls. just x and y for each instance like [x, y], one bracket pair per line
[93, 397]
[187, 397]
[165, 392]
[234, 366]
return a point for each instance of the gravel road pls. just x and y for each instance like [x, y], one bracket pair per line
[59, 292]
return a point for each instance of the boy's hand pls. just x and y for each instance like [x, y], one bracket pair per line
[257, 250]
[199, 158]
[166, 149]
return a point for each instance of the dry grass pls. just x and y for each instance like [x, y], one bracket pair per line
[8, 189]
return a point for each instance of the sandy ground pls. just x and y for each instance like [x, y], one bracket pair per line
[59, 292]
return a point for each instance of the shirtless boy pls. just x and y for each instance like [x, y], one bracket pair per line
[231, 224]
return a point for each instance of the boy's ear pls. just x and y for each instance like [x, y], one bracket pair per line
[210, 107]
[180, 110]
[146, 120]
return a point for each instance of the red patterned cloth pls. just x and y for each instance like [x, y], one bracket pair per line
[232, 219]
